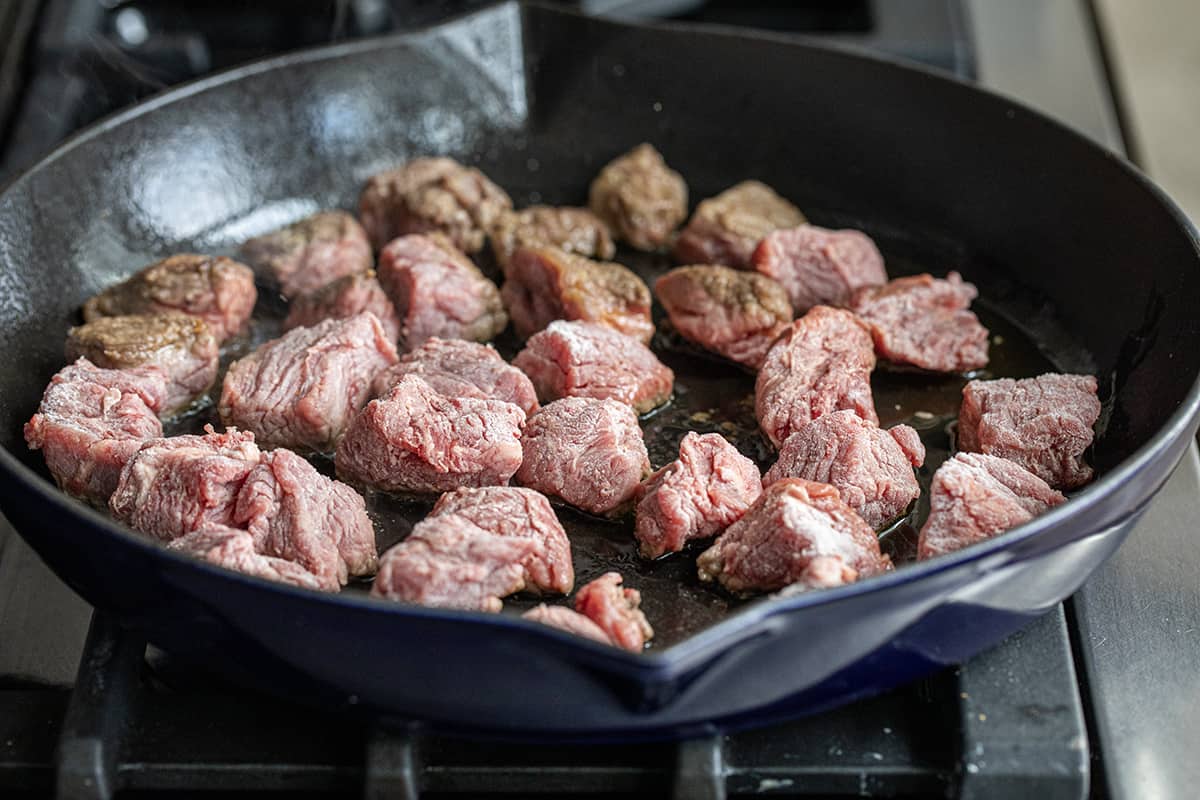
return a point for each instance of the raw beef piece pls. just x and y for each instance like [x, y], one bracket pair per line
[615, 611]
[219, 290]
[704, 491]
[822, 363]
[818, 266]
[91, 421]
[233, 549]
[872, 468]
[725, 229]
[545, 284]
[511, 511]
[458, 368]
[586, 452]
[572, 230]
[343, 298]
[974, 497]
[180, 345]
[585, 359]
[302, 389]
[1043, 423]
[431, 194]
[735, 314]
[568, 620]
[437, 291]
[797, 532]
[925, 321]
[414, 439]
[640, 198]
[309, 254]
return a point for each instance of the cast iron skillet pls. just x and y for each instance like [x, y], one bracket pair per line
[1069, 244]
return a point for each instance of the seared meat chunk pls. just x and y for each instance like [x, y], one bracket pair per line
[414, 439]
[545, 284]
[437, 291]
[872, 468]
[219, 290]
[585, 359]
[796, 533]
[818, 266]
[974, 497]
[568, 620]
[1044, 424]
[822, 363]
[586, 452]
[704, 491]
[458, 368]
[735, 314]
[180, 345]
[572, 230]
[924, 321]
[725, 229]
[640, 198]
[92, 420]
[344, 298]
[615, 610]
[302, 389]
[431, 194]
[309, 254]
[233, 548]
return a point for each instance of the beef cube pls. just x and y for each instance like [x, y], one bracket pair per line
[301, 390]
[437, 291]
[797, 533]
[431, 194]
[219, 290]
[615, 610]
[640, 198]
[818, 266]
[233, 548]
[416, 440]
[725, 229]
[700, 494]
[309, 254]
[822, 363]
[180, 345]
[872, 468]
[568, 620]
[344, 298]
[572, 230]
[585, 359]
[735, 314]
[458, 368]
[545, 284]
[1044, 424]
[974, 497]
[924, 321]
[92, 420]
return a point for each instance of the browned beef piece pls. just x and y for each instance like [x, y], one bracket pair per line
[797, 533]
[458, 368]
[615, 610]
[640, 198]
[725, 229]
[414, 439]
[822, 363]
[181, 345]
[572, 230]
[92, 420]
[585, 359]
[586, 452]
[309, 254]
[925, 321]
[1044, 424]
[568, 620]
[437, 291]
[698, 495]
[872, 468]
[431, 194]
[818, 266]
[301, 390]
[345, 297]
[219, 290]
[545, 284]
[735, 314]
[233, 549]
[974, 497]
